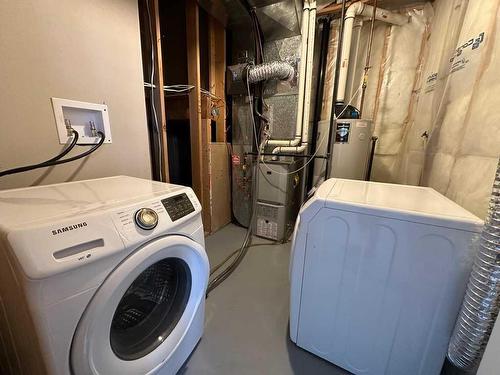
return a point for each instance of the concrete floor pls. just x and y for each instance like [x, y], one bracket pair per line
[246, 327]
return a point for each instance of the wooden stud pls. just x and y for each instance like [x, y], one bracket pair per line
[219, 171]
[159, 98]
[217, 74]
[199, 157]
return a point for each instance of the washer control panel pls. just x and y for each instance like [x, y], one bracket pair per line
[178, 206]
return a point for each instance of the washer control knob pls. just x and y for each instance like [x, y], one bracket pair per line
[146, 218]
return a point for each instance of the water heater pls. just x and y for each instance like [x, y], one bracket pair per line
[351, 148]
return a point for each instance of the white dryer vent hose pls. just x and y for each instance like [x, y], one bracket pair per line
[482, 299]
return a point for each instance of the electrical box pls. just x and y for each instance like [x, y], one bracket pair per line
[86, 118]
[278, 199]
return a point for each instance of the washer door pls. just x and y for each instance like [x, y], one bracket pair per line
[143, 309]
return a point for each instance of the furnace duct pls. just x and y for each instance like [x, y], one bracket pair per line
[272, 70]
[482, 299]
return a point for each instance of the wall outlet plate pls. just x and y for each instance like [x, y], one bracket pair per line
[80, 115]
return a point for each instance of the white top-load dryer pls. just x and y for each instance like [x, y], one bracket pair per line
[104, 276]
[378, 273]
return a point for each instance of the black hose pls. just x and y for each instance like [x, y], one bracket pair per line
[57, 160]
[226, 259]
[67, 149]
[242, 251]
[329, 147]
[320, 83]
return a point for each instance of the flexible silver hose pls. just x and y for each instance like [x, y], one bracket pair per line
[482, 300]
[273, 70]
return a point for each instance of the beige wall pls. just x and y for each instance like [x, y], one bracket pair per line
[86, 50]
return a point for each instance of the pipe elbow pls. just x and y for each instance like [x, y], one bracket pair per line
[354, 9]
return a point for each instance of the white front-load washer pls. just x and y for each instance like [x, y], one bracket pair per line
[103, 276]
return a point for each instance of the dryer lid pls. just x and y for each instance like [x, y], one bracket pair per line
[402, 202]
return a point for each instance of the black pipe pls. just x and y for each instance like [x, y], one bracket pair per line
[335, 90]
[370, 161]
[320, 87]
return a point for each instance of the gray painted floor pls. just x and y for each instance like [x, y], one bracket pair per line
[246, 327]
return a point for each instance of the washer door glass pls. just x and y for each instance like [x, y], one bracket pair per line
[150, 308]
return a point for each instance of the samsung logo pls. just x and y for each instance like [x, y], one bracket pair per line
[69, 228]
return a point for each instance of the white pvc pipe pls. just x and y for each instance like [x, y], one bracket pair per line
[359, 9]
[290, 149]
[299, 143]
[302, 79]
[309, 72]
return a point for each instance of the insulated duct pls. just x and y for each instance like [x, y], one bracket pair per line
[272, 70]
[482, 299]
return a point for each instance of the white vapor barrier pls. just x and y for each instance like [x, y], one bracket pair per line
[462, 153]
[434, 94]
[389, 99]
[443, 32]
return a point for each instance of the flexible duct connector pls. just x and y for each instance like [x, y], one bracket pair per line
[482, 299]
[272, 70]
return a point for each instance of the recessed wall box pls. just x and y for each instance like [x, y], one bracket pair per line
[86, 118]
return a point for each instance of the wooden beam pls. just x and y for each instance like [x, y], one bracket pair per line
[159, 97]
[217, 74]
[199, 157]
[220, 186]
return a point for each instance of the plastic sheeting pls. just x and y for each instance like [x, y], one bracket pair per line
[463, 148]
[433, 91]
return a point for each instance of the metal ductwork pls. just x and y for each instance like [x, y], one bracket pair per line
[482, 300]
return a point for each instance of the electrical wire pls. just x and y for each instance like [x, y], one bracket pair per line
[155, 115]
[57, 160]
[250, 101]
[245, 245]
[319, 144]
